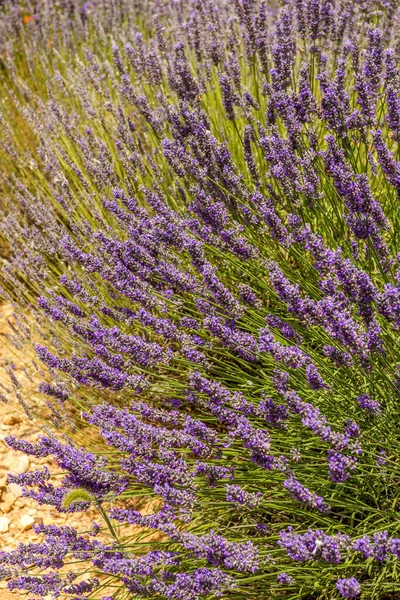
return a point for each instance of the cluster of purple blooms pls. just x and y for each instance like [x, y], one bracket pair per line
[317, 545]
[213, 257]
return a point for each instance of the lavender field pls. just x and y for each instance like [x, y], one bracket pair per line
[200, 240]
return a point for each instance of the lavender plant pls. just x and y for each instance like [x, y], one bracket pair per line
[205, 227]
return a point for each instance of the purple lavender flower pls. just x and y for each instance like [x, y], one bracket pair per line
[314, 378]
[214, 473]
[85, 470]
[274, 414]
[53, 390]
[190, 586]
[285, 579]
[41, 586]
[31, 478]
[290, 356]
[284, 49]
[352, 429]
[218, 551]
[364, 546]
[313, 545]
[381, 546]
[382, 458]
[305, 496]
[236, 494]
[348, 588]
[368, 404]
[378, 548]
[338, 357]
[340, 465]
[394, 545]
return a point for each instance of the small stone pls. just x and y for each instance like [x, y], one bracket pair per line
[38, 520]
[26, 522]
[4, 524]
[7, 595]
[8, 497]
[11, 420]
[15, 489]
[20, 464]
[5, 507]
[3, 482]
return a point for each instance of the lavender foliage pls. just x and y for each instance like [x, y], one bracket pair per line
[203, 226]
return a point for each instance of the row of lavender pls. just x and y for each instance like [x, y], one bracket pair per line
[203, 216]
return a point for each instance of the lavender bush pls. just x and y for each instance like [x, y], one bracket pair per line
[204, 220]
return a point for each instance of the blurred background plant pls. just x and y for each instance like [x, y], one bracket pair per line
[200, 216]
